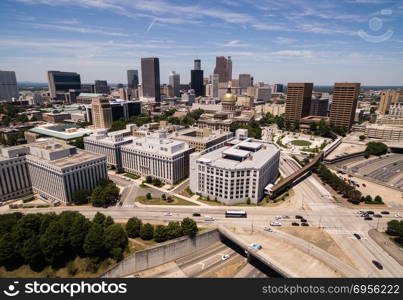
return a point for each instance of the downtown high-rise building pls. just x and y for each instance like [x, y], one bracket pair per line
[278, 88]
[215, 84]
[299, 95]
[175, 82]
[196, 78]
[223, 67]
[344, 104]
[132, 79]
[101, 87]
[245, 80]
[8, 85]
[150, 75]
[101, 110]
[62, 82]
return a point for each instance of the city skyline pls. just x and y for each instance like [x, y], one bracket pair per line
[325, 42]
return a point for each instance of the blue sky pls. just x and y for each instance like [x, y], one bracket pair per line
[274, 40]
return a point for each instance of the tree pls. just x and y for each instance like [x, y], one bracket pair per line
[149, 196]
[149, 180]
[368, 198]
[115, 237]
[160, 234]
[313, 127]
[147, 231]
[80, 197]
[376, 148]
[94, 240]
[189, 227]
[99, 218]
[362, 137]
[248, 201]
[173, 230]
[108, 221]
[32, 253]
[133, 226]
[52, 242]
[78, 231]
[163, 197]
[105, 194]
[395, 228]
[8, 256]
[378, 199]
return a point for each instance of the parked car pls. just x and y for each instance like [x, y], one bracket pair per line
[208, 218]
[377, 216]
[225, 257]
[256, 246]
[168, 214]
[304, 220]
[377, 264]
[278, 217]
[398, 215]
[370, 212]
[268, 229]
[385, 212]
[286, 217]
[295, 224]
[298, 217]
[275, 223]
[368, 219]
[364, 185]
[358, 237]
[196, 215]
[304, 224]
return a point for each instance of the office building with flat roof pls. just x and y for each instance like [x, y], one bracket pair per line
[62, 82]
[55, 170]
[237, 171]
[108, 144]
[101, 113]
[8, 86]
[157, 156]
[201, 139]
[101, 87]
[298, 101]
[132, 79]
[196, 78]
[344, 104]
[223, 67]
[175, 82]
[150, 74]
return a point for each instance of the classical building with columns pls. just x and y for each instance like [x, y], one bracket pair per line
[157, 156]
[52, 170]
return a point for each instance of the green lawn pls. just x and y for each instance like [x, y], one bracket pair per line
[159, 201]
[132, 176]
[301, 143]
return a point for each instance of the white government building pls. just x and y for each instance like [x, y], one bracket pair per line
[52, 170]
[157, 156]
[238, 170]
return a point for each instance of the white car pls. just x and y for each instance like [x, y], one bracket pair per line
[398, 216]
[225, 257]
[275, 223]
[268, 229]
[278, 217]
[168, 214]
[208, 218]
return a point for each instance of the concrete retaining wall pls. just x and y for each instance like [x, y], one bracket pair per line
[167, 252]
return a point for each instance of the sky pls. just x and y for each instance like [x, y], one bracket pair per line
[277, 41]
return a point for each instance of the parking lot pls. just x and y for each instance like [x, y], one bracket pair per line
[386, 169]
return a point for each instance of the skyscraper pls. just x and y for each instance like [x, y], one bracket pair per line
[150, 75]
[215, 83]
[101, 113]
[175, 82]
[344, 103]
[298, 102]
[196, 78]
[278, 88]
[245, 80]
[223, 67]
[8, 85]
[132, 79]
[62, 82]
[101, 87]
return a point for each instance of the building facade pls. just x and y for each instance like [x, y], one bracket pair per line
[8, 86]
[53, 170]
[175, 82]
[196, 78]
[62, 82]
[319, 107]
[298, 102]
[109, 145]
[201, 139]
[223, 67]
[132, 79]
[235, 174]
[150, 74]
[101, 113]
[101, 87]
[157, 156]
[344, 104]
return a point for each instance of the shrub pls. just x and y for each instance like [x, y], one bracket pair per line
[147, 231]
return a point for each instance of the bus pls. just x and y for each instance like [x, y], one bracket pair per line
[235, 214]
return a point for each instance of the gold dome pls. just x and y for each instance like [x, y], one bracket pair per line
[229, 96]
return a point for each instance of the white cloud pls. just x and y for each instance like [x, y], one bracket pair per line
[284, 40]
[81, 29]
